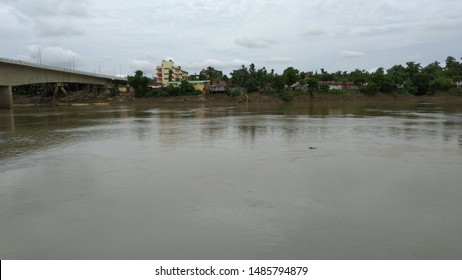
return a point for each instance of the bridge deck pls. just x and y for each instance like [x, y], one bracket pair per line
[18, 72]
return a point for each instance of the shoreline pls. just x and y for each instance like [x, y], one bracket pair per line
[250, 99]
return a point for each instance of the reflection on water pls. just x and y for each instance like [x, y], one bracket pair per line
[269, 182]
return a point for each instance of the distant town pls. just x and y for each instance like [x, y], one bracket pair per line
[412, 78]
[66, 86]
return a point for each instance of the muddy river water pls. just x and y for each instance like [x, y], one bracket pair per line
[315, 181]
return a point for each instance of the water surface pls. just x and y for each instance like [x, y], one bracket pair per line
[272, 182]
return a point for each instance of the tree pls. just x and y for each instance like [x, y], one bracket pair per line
[358, 77]
[170, 75]
[240, 76]
[210, 73]
[290, 75]
[398, 75]
[139, 82]
[382, 81]
[421, 82]
[312, 84]
[412, 69]
[186, 88]
[453, 69]
[441, 83]
[369, 88]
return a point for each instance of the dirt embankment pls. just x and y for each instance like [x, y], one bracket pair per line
[221, 99]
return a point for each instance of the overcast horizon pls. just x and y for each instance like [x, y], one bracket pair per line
[113, 37]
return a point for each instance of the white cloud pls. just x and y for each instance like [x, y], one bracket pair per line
[144, 65]
[53, 55]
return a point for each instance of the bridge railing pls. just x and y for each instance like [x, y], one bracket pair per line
[56, 68]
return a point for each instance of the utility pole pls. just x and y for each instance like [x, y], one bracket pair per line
[39, 56]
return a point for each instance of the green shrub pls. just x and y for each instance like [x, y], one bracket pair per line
[286, 96]
[369, 89]
[324, 88]
[235, 92]
[456, 91]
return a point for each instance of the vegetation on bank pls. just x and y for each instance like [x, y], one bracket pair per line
[410, 78]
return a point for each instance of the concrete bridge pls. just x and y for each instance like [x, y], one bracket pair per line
[17, 72]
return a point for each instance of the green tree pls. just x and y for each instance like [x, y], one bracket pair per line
[398, 75]
[290, 75]
[186, 88]
[369, 89]
[312, 84]
[441, 83]
[358, 77]
[210, 73]
[240, 76]
[383, 82]
[140, 83]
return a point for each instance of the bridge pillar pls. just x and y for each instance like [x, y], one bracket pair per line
[6, 97]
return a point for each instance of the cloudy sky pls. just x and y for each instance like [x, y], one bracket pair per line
[120, 36]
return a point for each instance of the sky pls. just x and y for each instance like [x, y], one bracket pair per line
[121, 36]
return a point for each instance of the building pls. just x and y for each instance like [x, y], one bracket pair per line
[169, 72]
[217, 86]
[339, 85]
[198, 85]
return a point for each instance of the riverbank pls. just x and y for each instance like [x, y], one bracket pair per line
[82, 99]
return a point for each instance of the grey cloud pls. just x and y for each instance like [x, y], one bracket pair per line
[275, 60]
[52, 8]
[47, 28]
[253, 43]
[307, 34]
[52, 17]
[217, 63]
[314, 33]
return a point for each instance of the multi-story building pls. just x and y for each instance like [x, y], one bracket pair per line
[169, 72]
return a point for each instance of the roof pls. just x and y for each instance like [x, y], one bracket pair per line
[191, 82]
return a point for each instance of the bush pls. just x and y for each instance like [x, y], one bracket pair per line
[235, 92]
[140, 92]
[113, 92]
[369, 89]
[456, 91]
[286, 96]
[339, 92]
[441, 83]
[324, 88]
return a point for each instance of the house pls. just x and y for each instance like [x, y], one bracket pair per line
[338, 85]
[169, 72]
[216, 86]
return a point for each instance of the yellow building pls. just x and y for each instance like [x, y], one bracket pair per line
[169, 72]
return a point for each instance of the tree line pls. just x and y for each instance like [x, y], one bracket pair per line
[409, 78]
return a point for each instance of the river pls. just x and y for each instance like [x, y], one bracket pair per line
[313, 181]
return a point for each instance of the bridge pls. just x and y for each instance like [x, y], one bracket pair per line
[17, 72]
